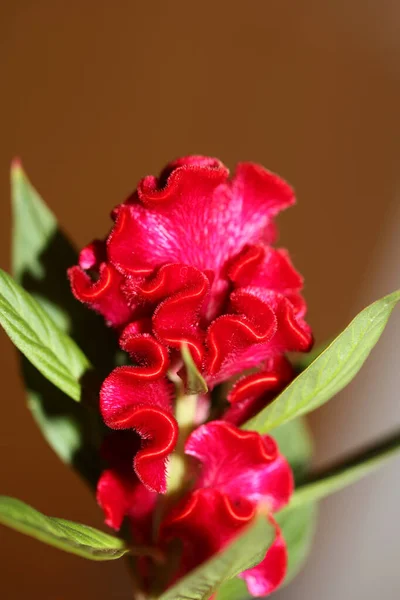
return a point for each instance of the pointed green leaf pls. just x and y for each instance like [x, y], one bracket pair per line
[345, 473]
[302, 361]
[334, 368]
[33, 228]
[233, 589]
[298, 528]
[244, 552]
[295, 443]
[65, 535]
[41, 255]
[35, 334]
[195, 383]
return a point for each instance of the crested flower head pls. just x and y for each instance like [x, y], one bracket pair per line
[189, 260]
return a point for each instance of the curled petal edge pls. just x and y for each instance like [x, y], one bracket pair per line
[129, 401]
[180, 177]
[104, 295]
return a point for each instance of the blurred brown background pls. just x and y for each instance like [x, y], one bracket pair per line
[96, 94]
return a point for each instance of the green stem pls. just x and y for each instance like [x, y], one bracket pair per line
[344, 472]
[177, 480]
[185, 413]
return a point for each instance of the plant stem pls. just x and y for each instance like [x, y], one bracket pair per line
[344, 472]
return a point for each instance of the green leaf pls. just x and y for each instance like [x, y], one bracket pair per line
[302, 361]
[233, 589]
[295, 443]
[195, 383]
[238, 556]
[65, 535]
[34, 226]
[35, 334]
[298, 527]
[334, 368]
[344, 473]
[41, 255]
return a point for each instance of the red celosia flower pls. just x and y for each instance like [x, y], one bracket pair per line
[96, 282]
[238, 470]
[189, 260]
[140, 398]
[251, 393]
[234, 472]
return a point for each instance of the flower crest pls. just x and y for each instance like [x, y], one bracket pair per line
[189, 261]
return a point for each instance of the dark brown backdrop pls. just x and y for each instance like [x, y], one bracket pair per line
[96, 94]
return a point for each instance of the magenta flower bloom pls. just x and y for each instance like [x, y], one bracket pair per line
[238, 470]
[189, 260]
[235, 471]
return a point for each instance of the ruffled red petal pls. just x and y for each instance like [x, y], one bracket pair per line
[205, 520]
[150, 356]
[193, 160]
[259, 323]
[292, 332]
[266, 192]
[268, 575]
[269, 269]
[130, 399]
[253, 392]
[166, 224]
[265, 267]
[101, 290]
[181, 180]
[240, 340]
[241, 464]
[192, 214]
[262, 324]
[177, 294]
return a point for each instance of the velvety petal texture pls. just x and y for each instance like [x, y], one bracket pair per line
[252, 393]
[241, 464]
[236, 472]
[98, 284]
[204, 521]
[128, 403]
[190, 260]
[194, 214]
